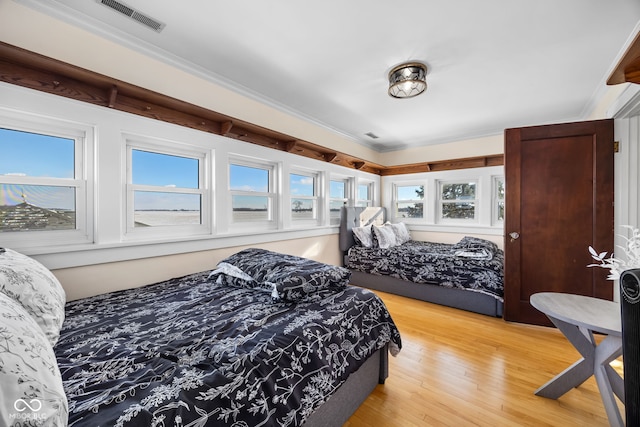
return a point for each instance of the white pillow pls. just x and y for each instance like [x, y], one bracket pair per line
[363, 236]
[402, 232]
[385, 236]
[33, 286]
[31, 391]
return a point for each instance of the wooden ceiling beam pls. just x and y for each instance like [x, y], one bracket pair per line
[443, 165]
[34, 71]
[628, 68]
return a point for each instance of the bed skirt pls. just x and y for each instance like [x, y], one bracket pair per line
[466, 300]
[344, 402]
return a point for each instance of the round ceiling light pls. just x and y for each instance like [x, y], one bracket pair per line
[407, 80]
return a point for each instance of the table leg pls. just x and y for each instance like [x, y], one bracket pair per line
[577, 373]
[609, 349]
[595, 361]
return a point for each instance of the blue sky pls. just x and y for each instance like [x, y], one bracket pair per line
[27, 154]
[408, 192]
[34, 155]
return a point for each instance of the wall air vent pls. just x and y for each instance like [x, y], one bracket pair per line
[130, 12]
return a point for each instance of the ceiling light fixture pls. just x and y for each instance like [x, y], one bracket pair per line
[407, 80]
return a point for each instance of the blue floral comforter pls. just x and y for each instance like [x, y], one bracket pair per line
[192, 352]
[472, 264]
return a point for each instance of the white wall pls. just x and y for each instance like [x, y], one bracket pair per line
[84, 281]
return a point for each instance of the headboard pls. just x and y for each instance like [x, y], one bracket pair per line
[351, 216]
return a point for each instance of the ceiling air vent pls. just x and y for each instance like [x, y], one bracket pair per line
[372, 135]
[130, 12]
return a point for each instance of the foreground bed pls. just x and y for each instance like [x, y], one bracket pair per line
[190, 351]
[266, 339]
[463, 276]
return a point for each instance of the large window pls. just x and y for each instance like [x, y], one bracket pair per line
[409, 201]
[43, 190]
[303, 188]
[338, 197]
[252, 192]
[457, 200]
[166, 190]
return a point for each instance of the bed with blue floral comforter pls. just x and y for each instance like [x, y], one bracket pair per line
[472, 264]
[221, 348]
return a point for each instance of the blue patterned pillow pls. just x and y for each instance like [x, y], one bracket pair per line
[287, 277]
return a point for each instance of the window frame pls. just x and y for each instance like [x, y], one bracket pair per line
[440, 183]
[495, 216]
[316, 199]
[345, 201]
[170, 148]
[370, 193]
[396, 201]
[430, 223]
[82, 182]
[272, 194]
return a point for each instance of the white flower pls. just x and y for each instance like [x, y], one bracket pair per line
[616, 265]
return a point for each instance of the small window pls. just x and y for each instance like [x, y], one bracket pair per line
[338, 197]
[252, 196]
[365, 195]
[498, 203]
[458, 201]
[166, 190]
[42, 187]
[304, 199]
[409, 201]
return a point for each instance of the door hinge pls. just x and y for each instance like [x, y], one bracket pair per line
[616, 146]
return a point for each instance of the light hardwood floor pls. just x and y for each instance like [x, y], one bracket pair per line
[464, 369]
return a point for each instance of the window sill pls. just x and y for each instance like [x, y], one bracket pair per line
[90, 254]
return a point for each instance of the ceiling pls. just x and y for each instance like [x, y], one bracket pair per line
[492, 64]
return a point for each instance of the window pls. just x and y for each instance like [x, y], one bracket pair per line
[304, 198]
[457, 200]
[338, 197]
[43, 189]
[166, 190]
[365, 195]
[409, 201]
[498, 201]
[252, 192]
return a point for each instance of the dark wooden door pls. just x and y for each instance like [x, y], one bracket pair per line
[559, 201]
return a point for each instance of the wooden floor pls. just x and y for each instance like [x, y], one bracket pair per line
[464, 369]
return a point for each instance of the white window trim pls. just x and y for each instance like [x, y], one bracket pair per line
[347, 200]
[171, 148]
[317, 200]
[440, 202]
[484, 177]
[396, 201]
[496, 200]
[272, 194]
[83, 136]
[365, 202]
[104, 169]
